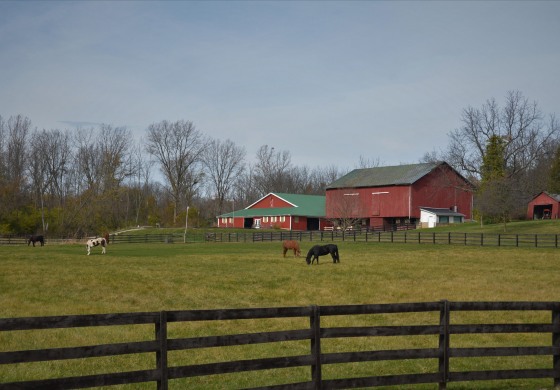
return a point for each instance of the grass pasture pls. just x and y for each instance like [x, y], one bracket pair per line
[62, 280]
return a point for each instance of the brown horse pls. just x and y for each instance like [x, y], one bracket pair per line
[286, 245]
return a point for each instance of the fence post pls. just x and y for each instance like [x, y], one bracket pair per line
[315, 324]
[444, 344]
[556, 343]
[161, 355]
[536, 240]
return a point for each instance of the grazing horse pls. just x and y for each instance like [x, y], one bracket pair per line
[95, 242]
[321, 250]
[34, 239]
[286, 245]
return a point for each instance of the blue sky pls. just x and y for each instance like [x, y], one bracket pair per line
[329, 81]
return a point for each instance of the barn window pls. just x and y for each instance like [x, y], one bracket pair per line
[283, 218]
[224, 220]
[265, 219]
[296, 219]
[272, 219]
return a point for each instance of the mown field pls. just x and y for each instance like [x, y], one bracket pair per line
[62, 280]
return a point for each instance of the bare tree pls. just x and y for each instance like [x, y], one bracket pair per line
[48, 163]
[368, 162]
[245, 190]
[3, 152]
[88, 159]
[18, 131]
[225, 163]
[347, 209]
[271, 170]
[113, 144]
[519, 123]
[178, 147]
[139, 186]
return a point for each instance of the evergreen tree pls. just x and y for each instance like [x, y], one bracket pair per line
[493, 161]
[495, 196]
[554, 178]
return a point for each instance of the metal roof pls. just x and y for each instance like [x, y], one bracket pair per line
[556, 197]
[304, 205]
[384, 176]
[442, 211]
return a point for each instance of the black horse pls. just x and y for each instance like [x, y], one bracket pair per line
[321, 250]
[34, 239]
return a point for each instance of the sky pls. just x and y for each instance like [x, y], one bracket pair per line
[328, 81]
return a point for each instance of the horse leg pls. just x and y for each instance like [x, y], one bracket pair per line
[103, 250]
[285, 250]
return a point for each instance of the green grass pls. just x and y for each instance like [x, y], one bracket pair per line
[62, 280]
[548, 226]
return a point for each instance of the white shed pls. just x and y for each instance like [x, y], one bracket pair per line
[431, 217]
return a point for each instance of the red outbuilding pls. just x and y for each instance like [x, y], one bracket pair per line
[544, 206]
[393, 195]
[279, 211]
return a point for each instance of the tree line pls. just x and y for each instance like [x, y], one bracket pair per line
[82, 182]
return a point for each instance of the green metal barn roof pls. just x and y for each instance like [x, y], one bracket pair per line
[304, 205]
[384, 176]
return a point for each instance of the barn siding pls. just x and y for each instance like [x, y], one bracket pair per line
[441, 188]
[271, 201]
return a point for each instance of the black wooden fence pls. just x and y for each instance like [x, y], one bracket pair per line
[403, 237]
[442, 328]
[399, 236]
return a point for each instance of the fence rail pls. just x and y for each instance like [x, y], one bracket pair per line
[398, 236]
[441, 328]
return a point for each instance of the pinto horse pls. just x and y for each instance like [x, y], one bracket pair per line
[321, 250]
[34, 239]
[95, 242]
[287, 245]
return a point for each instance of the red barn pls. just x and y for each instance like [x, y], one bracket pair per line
[393, 195]
[544, 206]
[279, 211]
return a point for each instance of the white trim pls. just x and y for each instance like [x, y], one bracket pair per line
[271, 193]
